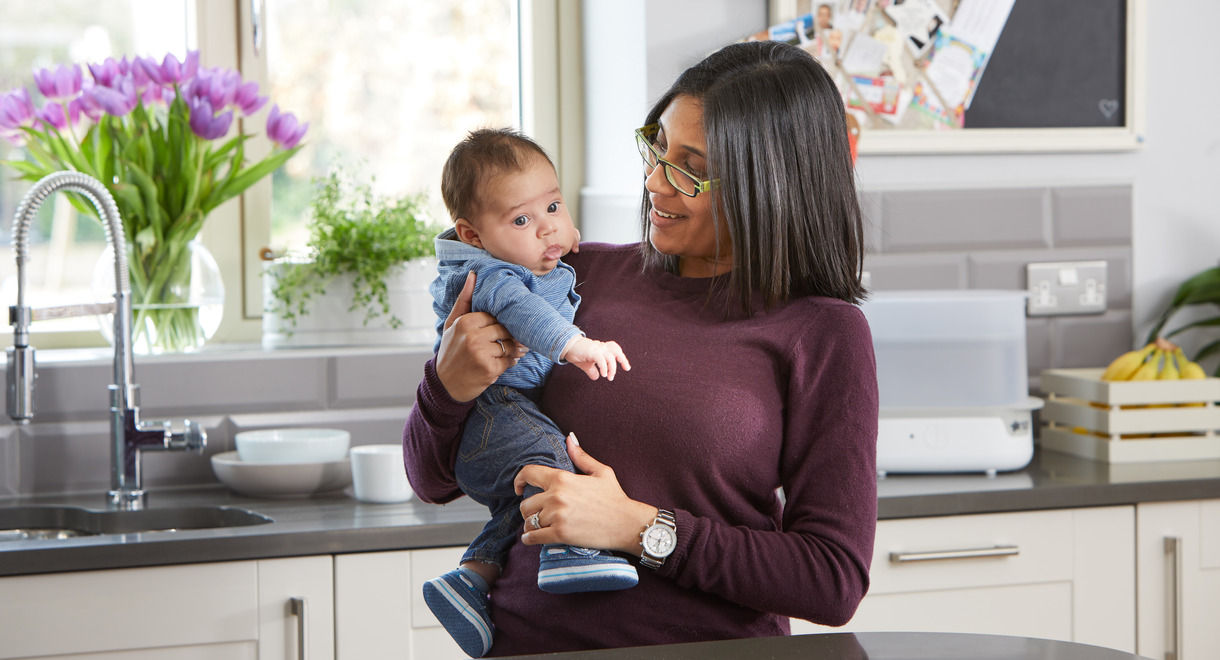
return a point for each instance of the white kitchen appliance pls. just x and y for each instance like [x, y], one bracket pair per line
[952, 377]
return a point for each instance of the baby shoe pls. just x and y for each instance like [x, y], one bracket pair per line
[461, 607]
[566, 569]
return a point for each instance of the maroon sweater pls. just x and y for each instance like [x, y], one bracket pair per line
[713, 417]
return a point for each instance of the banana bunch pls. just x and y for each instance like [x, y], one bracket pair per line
[1159, 360]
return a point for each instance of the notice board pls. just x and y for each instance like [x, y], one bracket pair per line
[925, 76]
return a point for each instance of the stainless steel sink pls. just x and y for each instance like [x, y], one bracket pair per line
[50, 522]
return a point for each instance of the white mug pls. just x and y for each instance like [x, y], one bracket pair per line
[378, 475]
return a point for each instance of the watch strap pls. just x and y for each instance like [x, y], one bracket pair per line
[667, 519]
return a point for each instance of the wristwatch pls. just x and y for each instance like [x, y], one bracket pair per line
[659, 539]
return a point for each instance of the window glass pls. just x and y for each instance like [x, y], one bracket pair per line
[387, 88]
[65, 245]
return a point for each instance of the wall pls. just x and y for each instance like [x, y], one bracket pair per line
[1175, 222]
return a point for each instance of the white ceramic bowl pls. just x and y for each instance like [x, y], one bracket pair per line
[281, 480]
[293, 445]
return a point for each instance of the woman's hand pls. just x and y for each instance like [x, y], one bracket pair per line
[588, 510]
[474, 350]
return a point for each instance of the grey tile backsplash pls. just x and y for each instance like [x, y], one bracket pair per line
[368, 392]
[925, 239]
[982, 238]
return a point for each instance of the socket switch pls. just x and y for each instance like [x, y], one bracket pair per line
[1066, 287]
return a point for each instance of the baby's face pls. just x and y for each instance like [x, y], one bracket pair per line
[523, 219]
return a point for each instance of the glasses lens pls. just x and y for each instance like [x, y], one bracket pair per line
[681, 180]
[646, 152]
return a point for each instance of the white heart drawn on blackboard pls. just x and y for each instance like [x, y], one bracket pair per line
[1108, 107]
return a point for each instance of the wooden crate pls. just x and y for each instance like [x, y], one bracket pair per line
[1126, 422]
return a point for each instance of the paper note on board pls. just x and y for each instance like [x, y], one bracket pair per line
[979, 22]
[954, 69]
[864, 56]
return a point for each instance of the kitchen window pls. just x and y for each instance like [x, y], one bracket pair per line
[387, 88]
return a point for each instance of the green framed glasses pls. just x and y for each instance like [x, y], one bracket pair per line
[684, 182]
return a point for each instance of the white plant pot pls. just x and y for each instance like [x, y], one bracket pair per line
[329, 319]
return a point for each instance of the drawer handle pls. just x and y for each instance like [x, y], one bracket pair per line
[969, 553]
[1173, 613]
[297, 607]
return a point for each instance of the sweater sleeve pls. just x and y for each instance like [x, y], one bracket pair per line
[528, 316]
[816, 565]
[431, 437]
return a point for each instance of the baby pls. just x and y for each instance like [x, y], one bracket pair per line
[511, 228]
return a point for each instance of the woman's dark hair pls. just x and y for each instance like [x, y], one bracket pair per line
[777, 141]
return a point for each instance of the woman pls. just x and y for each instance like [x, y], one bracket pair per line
[752, 371]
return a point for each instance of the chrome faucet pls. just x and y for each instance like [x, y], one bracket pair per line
[128, 435]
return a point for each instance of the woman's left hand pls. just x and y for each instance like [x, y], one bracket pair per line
[588, 510]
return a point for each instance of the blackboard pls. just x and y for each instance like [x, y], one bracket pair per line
[1057, 64]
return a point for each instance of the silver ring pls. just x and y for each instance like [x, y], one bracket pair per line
[534, 522]
[503, 351]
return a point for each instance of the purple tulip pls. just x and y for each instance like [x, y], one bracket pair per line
[248, 100]
[62, 83]
[105, 73]
[86, 105]
[204, 123]
[218, 86]
[53, 114]
[170, 71]
[283, 129]
[118, 100]
[16, 110]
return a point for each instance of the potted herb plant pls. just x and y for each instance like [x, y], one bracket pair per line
[366, 275]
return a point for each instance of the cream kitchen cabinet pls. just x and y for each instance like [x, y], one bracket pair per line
[379, 605]
[1178, 575]
[223, 611]
[1059, 574]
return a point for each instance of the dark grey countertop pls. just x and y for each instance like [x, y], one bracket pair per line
[337, 524]
[863, 646]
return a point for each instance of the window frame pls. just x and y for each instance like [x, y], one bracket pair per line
[551, 112]
[549, 40]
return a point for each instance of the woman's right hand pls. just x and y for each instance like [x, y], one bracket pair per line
[470, 358]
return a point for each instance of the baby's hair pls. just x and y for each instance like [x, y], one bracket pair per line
[484, 153]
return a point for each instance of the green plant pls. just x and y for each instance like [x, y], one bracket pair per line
[1202, 288]
[353, 231]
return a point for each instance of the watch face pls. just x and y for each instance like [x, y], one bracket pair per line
[659, 540]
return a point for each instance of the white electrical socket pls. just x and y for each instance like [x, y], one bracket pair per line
[1066, 287]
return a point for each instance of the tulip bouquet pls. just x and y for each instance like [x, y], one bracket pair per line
[155, 134]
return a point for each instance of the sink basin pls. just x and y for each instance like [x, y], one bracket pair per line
[43, 522]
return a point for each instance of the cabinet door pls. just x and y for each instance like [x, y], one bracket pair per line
[296, 604]
[1065, 575]
[200, 612]
[379, 605]
[1179, 579]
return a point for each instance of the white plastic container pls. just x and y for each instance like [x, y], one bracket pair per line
[949, 348]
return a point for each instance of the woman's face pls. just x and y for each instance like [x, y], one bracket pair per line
[679, 225]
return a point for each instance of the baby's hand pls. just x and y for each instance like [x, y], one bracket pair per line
[595, 358]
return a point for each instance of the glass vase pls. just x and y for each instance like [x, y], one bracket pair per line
[177, 297]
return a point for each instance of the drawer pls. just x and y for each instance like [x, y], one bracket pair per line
[922, 554]
[129, 608]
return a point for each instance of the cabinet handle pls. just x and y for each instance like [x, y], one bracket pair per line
[969, 553]
[1173, 609]
[297, 606]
